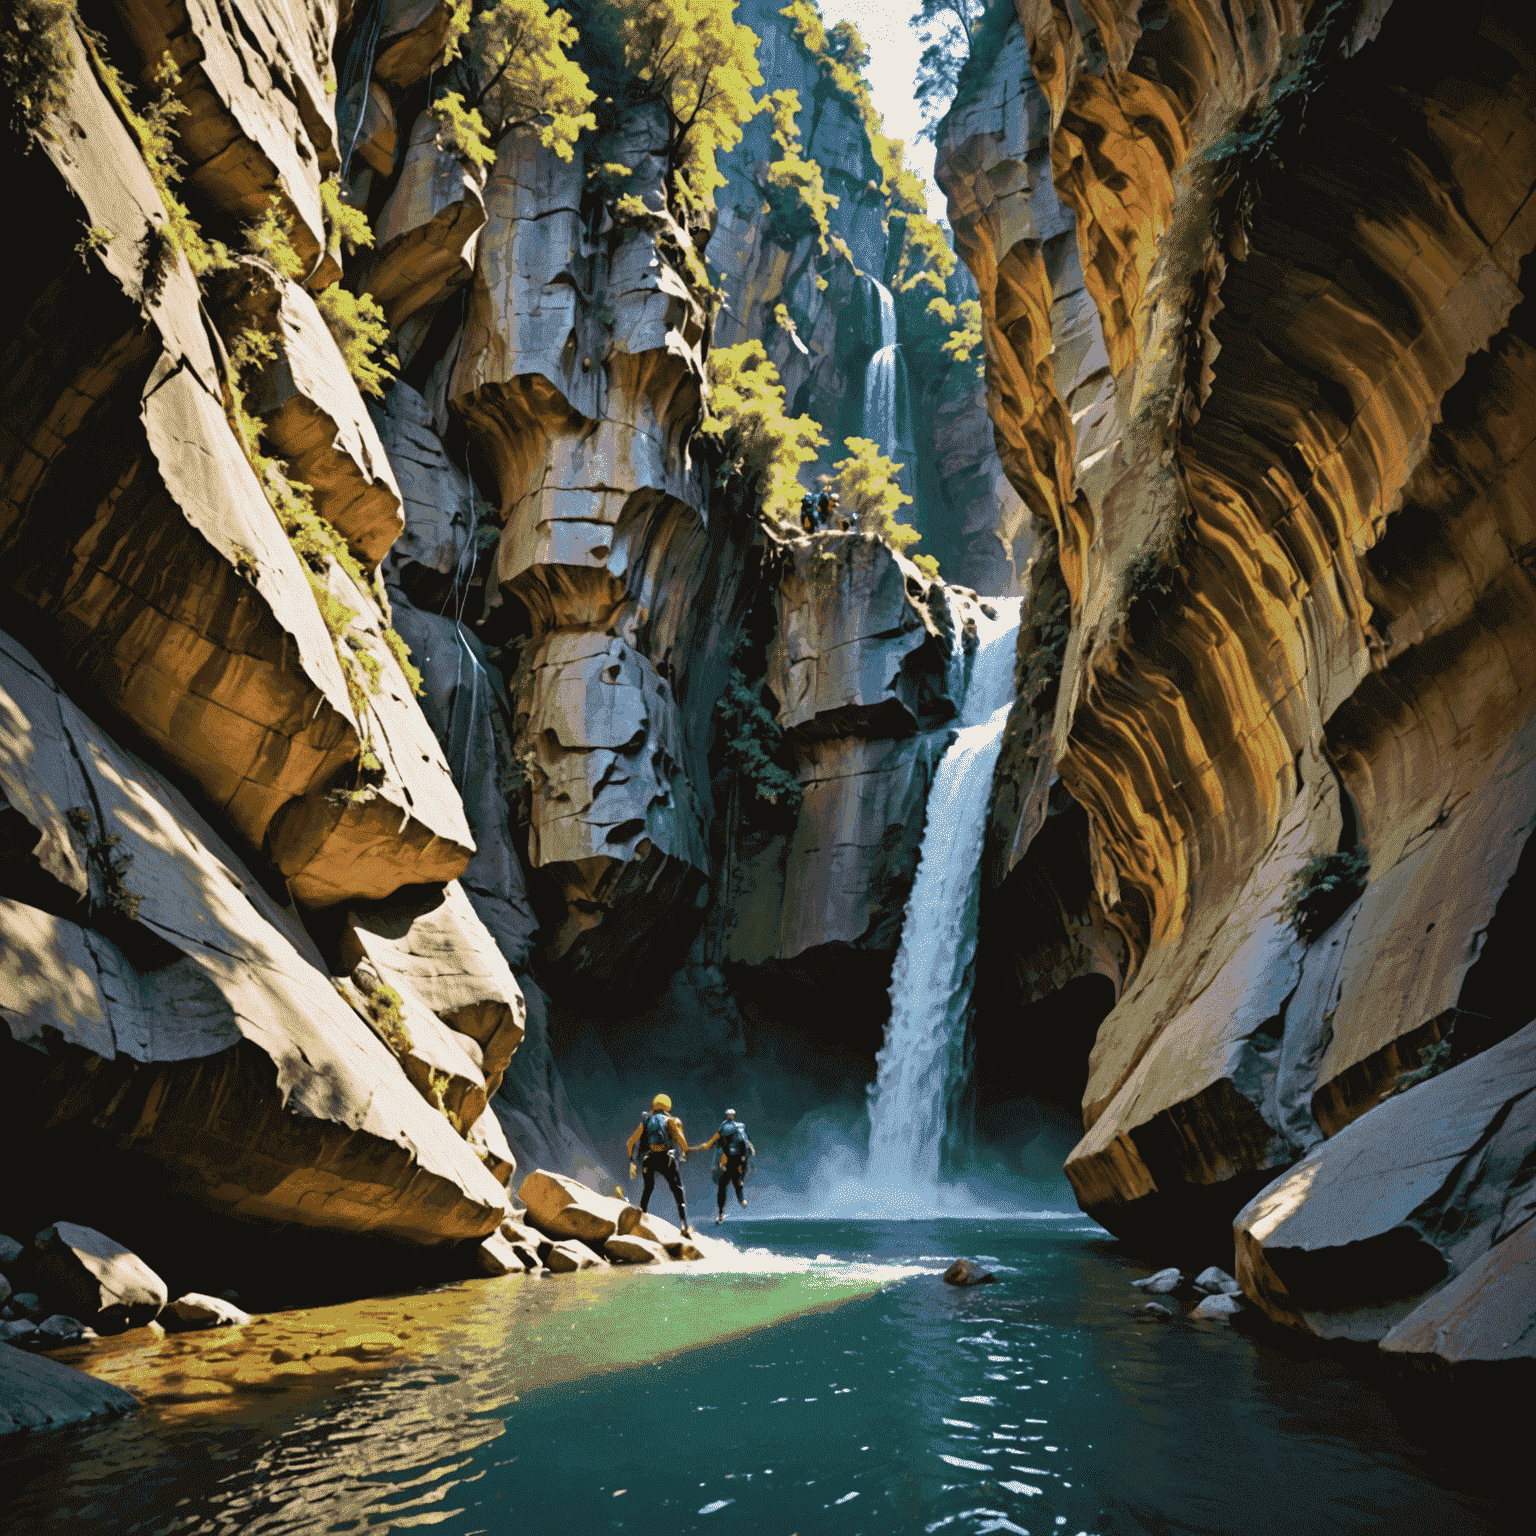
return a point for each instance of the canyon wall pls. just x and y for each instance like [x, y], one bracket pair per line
[1259, 360]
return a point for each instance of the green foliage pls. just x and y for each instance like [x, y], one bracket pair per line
[700, 64]
[928, 565]
[965, 340]
[1322, 890]
[358, 326]
[461, 129]
[947, 27]
[37, 64]
[798, 200]
[758, 442]
[97, 238]
[109, 867]
[518, 48]
[347, 228]
[867, 487]
[754, 744]
[402, 653]
[271, 238]
[386, 1012]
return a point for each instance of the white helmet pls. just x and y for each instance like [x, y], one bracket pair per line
[730, 1114]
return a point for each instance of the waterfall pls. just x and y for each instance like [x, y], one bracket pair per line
[918, 1068]
[882, 388]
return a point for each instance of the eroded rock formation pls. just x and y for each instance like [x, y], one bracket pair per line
[1259, 362]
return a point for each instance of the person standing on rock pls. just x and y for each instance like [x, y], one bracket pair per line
[735, 1149]
[659, 1142]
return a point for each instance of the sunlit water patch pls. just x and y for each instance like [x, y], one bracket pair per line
[816, 1378]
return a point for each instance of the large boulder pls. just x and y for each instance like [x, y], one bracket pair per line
[633, 1222]
[98, 1279]
[563, 1208]
[195, 1310]
[1411, 1220]
[567, 1257]
[38, 1393]
[634, 1250]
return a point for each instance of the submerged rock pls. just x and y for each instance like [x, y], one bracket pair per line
[38, 1393]
[1222, 1305]
[60, 1329]
[1217, 1282]
[1160, 1284]
[963, 1272]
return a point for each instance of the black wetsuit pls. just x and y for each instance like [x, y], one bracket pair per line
[665, 1164]
[732, 1170]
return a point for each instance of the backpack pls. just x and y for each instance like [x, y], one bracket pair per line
[656, 1136]
[733, 1139]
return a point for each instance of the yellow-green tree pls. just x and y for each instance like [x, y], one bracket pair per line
[756, 440]
[517, 50]
[700, 63]
[867, 487]
[797, 195]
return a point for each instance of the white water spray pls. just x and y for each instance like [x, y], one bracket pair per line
[881, 392]
[919, 1065]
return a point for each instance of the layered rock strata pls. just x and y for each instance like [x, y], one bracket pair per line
[1259, 362]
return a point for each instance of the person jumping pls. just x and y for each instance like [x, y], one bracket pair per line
[735, 1149]
[659, 1141]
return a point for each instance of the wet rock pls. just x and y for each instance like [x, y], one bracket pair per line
[38, 1393]
[5, 1291]
[496, 1256]
[18, 1330]
[633, 1222]
[195, 1310]
[567, 1257]
[564, 1208]
[10, 1251]
[683, 1250]
[59, 1329]
[1222, 1305]
[524, 1243]
[1163, 1283]
[1156, 1309]
[25, 1304]
[634, 1249]
[100, 1279]
[1409, 1207]
[964, 1272]
[1216, 1282]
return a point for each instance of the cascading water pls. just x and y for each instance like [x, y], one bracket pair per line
[918, 1067]
[882, 394]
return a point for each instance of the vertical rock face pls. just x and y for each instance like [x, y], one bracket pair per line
[1259, 359]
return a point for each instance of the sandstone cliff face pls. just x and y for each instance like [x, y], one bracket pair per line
[215, 770]
[1258, 357]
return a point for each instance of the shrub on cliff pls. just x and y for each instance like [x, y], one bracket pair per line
[36, 63]
[948, 27]
[695, 60]
[868, 489]
[756, 440]
[1323, 890]
[798, 201]
[517, 53]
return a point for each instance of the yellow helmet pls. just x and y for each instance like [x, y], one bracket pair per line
[661, 1101]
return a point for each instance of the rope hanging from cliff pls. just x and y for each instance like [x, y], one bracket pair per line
[358, 68]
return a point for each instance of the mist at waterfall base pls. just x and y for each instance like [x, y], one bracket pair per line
[830, 1143]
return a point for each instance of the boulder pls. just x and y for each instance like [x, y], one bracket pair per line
[963, 1272]
[496, 1256]
[524, 1241]
[5, 1290]
[564, 1208]
[1216, 1282]
[634, 1250]
[10, 1251]
[195, 1310]
[683, 1250]
[1160, 1284]
[1222, 1305]
[98, 1278]
[59, 1329]
[566, 1258]
[38, 1393]
[633, 1222]
[1416, 1204]
[26, 1304]
[19, 1330]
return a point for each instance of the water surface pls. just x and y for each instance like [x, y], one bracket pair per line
[685, 1401]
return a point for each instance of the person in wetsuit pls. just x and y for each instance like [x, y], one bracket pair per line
[735, 1149]
[657, 1143]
